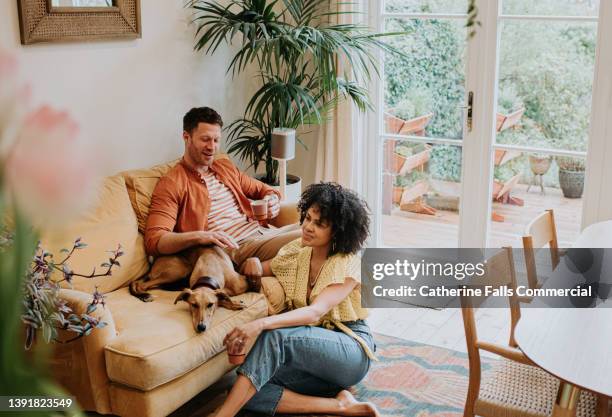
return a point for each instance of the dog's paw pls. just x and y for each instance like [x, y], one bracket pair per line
[147, 298]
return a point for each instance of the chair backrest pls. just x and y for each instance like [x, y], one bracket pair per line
[499, 271]
[539, 233]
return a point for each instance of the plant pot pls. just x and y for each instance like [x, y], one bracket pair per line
[293, 190]
[571, 182]
[539, 164]
[397, 162]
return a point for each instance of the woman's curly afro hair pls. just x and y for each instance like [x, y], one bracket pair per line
[347, 213]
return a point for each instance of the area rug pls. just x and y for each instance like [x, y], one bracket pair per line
[415, 380]
[418, 380]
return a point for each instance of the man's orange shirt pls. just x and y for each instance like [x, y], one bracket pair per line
[180, 201]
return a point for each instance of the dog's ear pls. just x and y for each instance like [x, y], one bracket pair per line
[226, 302]
[183, 296]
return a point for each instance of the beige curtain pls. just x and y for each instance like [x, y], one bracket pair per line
[337, 153]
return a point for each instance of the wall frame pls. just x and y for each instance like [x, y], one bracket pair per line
[39, 21]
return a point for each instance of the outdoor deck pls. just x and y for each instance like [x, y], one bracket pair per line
[406, 229]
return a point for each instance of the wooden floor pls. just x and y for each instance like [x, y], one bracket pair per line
[406, 229]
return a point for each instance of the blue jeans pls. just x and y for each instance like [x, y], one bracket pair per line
[305, 359]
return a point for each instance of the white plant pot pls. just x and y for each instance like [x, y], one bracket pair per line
[293, 190]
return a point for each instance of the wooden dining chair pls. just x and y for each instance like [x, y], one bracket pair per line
[514, 387]
[539, 233]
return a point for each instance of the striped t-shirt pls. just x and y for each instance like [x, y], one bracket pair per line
[225, 215]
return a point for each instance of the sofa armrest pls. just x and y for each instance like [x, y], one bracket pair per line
[79, 365]
[288, 214]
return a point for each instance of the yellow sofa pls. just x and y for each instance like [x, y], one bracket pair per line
[148, 360]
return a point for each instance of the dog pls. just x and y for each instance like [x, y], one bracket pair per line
[212, 281]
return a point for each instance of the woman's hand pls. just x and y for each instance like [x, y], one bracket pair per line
[242, 336]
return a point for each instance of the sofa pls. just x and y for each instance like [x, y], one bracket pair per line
[148, 360]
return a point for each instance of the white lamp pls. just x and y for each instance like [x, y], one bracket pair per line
[283, 149]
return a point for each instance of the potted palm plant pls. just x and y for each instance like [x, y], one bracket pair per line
[307, 65]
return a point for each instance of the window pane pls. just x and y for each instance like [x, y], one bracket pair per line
[552, 7]
[544, 100]
[426, 6]
[421, 187]
[545, 85]
[424, 89]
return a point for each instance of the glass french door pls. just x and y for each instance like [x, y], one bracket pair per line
[421, 120]
[478, 135]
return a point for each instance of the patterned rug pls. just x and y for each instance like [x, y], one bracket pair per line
[415, 380]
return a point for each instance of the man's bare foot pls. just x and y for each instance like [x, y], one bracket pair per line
[351, 407]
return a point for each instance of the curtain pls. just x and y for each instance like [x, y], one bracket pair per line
[338, 141]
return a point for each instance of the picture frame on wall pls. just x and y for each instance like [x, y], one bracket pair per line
[78, 20]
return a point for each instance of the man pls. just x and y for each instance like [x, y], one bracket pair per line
[205, 201]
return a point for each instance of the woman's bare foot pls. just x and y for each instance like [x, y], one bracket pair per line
[349, 406]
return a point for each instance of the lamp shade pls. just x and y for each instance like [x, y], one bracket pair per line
[283, 143]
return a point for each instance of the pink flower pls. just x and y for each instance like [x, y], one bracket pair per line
[49, 172]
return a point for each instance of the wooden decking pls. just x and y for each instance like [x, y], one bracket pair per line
[405, 229]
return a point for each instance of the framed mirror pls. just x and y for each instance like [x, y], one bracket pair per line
[78, 20]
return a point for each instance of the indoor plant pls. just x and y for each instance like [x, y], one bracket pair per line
[297, 47]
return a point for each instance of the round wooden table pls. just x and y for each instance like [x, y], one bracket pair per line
[575, 345]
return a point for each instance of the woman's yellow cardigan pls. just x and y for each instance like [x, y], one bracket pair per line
[291, 267]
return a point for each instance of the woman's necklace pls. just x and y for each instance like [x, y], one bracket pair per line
[312, 281]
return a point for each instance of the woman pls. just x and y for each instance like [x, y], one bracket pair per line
[293, 366]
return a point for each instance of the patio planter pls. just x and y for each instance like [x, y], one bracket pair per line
[571, 182]
[443, 202]
[416, 126]
[539, 164]
[393, 124]
[505, 121]
[397, 194]
[399, 164]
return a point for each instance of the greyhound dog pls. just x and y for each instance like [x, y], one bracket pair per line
[212, 281]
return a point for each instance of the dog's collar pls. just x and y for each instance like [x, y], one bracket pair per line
[206, 282]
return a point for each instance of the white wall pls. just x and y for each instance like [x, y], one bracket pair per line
[129, 96]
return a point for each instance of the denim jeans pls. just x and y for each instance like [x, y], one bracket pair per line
[307, 360]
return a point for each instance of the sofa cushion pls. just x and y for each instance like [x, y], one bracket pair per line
[110, 221]
[156, 342]
[141, 183]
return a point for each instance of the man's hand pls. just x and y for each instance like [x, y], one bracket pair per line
[221, 239]
[273, 205]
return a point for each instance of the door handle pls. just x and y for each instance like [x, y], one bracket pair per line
[469, 107]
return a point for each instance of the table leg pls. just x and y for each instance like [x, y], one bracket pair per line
[602, 406]
[567, 400]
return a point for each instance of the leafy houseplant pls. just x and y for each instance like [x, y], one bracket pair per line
[45, 310]
[308, 63]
